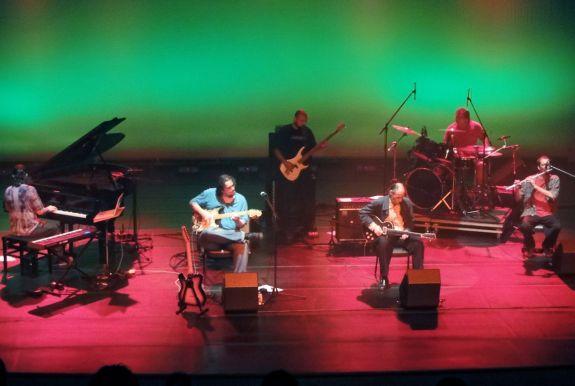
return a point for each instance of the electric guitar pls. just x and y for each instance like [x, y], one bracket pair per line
[191, 292]
[199, 224]
[299, 159]
[388, 230]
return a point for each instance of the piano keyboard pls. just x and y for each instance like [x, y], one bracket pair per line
[61, 238]
[70, 214]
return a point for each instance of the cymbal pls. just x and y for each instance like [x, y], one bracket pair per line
[406, 130]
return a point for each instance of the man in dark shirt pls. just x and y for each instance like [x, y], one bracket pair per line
[398, 210]
[295, 199]
[539, 196]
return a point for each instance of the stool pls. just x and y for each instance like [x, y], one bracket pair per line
[397, 252]
[18, 247]
[214, 254]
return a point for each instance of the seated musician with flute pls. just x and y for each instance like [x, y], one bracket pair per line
[539, 194]
[23, 205]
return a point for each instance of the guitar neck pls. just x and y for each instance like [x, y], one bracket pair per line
[318, 146]
[219, 216]
[396, 232]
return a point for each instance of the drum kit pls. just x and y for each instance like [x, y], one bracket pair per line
[455, 178]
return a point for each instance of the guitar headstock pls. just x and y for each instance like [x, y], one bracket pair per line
[254, 213]
[185, 233]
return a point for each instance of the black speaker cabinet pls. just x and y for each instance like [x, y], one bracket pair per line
[348, 228]
[564, 261]
[240, 292]
[420, 288]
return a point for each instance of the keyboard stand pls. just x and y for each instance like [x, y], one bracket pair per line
[72, 263]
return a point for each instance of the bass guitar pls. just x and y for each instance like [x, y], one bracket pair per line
[300, 159]
[388, 229]
[191, 288]
[199, 224]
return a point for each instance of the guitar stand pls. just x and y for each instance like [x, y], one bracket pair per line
[182, 304]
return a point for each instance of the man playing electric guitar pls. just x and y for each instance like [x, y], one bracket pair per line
[396, 209]
[228, 233]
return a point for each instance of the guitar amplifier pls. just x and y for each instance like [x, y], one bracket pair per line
[240, 292]
[348, 227]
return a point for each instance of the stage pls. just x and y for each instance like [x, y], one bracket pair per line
[496, 312]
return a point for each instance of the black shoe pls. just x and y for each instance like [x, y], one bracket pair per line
[527, 253]
[383, 284]
[254, 236]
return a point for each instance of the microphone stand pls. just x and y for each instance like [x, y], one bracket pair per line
[393, 147]
[385, 131]
[562, 171]
[275, 217]
[484, 166]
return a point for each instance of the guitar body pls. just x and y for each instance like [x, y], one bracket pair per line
[191, 286]
[299, 166]
[191, 290]
[299, 160]
[389, 231]
[199, 224]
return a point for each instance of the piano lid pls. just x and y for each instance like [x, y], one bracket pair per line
[85, 150]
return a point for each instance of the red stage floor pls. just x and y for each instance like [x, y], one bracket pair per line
[495, 312]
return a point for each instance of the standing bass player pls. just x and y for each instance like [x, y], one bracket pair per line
[295, 199]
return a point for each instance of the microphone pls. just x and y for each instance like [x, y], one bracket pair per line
[415, 91]
[263, 194]
[503, 137]
[393, 144]
[468, 98]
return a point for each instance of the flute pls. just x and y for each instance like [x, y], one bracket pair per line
[525, 179]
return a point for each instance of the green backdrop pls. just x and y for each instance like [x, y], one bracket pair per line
[211, 78]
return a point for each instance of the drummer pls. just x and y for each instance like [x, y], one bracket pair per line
[464, 131]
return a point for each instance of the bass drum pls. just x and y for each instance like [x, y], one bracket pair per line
[426, 186]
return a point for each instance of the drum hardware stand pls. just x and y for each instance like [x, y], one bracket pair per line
[385, 131]
[443, 199]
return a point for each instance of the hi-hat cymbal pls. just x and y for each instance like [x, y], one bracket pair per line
[406, 130]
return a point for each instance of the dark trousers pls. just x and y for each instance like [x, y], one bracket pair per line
[44, 228]
[384, 249]
[551, 229]
[217, 238]
[295, 202]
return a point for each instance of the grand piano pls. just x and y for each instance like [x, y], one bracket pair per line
[80, 183]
